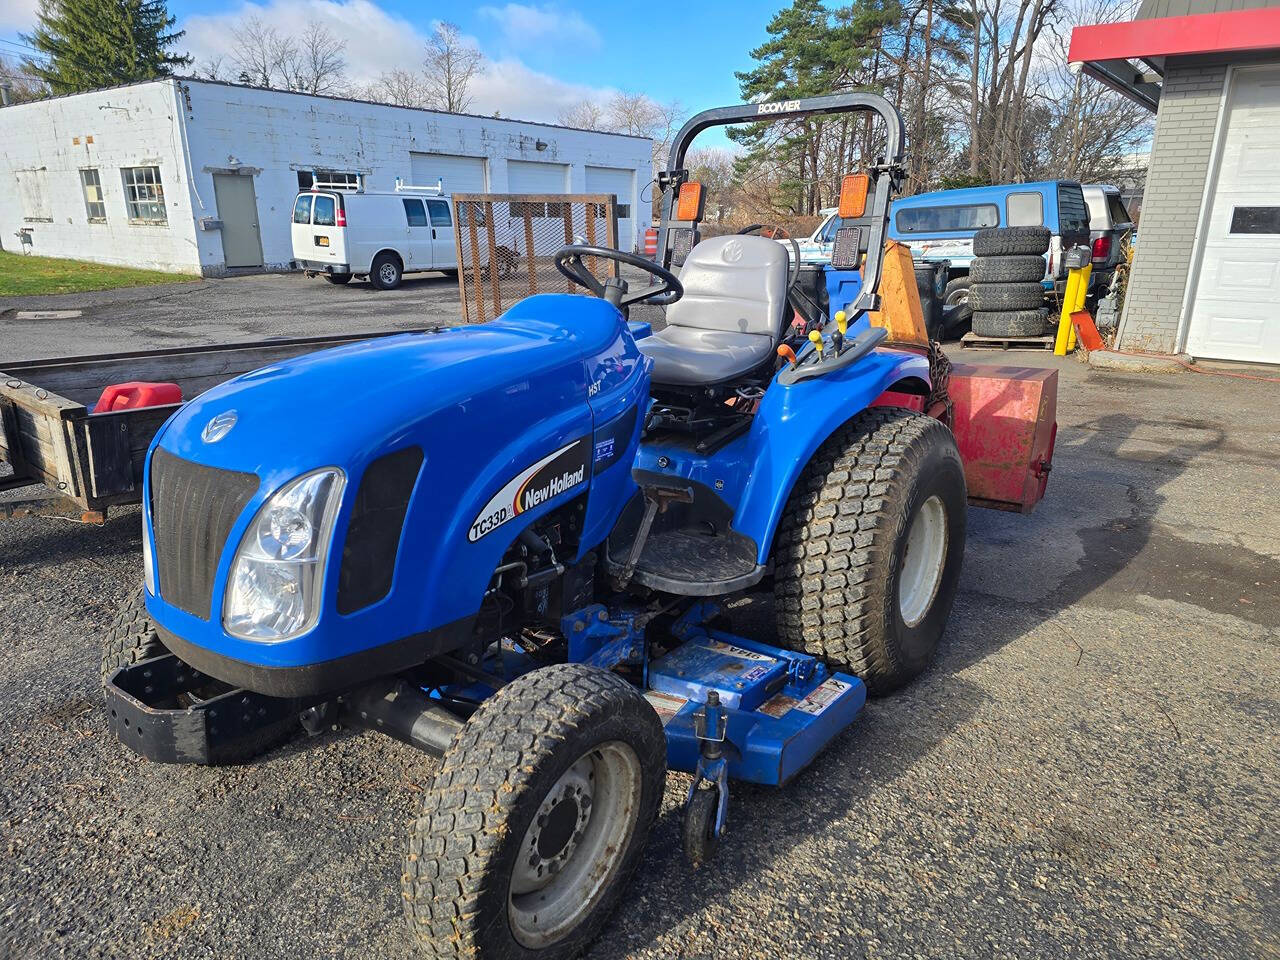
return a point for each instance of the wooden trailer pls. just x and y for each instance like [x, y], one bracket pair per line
[93, 461]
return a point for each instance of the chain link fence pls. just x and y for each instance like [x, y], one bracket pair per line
[507, 244]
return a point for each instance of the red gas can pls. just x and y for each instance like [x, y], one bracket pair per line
[136, 393]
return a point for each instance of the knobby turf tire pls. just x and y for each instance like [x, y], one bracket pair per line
[513, 749]
[1010, 241]
[1017, 269]
[1011, 323]
[132, 638]
[842, 538]
[992, 297]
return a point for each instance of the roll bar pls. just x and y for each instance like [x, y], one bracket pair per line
[885, 173]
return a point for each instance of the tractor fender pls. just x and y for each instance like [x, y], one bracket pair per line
[794, 421]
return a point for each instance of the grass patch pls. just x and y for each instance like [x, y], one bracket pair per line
[33, 276]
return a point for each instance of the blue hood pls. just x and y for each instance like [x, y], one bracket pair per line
[338, 405]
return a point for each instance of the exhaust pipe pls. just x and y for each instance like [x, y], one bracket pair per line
[401, 710]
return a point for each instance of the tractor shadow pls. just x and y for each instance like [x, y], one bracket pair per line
[1020, 571]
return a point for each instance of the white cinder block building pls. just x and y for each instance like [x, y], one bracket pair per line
[199, 177]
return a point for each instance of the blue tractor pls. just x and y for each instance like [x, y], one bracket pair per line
[512, 548]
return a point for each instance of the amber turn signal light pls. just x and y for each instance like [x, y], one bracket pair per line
[853, 196]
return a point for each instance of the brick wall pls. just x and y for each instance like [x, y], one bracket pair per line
[1180, 157]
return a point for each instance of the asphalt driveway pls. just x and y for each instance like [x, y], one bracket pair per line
[1088, 770]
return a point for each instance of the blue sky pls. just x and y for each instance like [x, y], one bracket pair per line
[543, 55]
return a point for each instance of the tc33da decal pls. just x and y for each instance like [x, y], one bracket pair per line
[551, 476]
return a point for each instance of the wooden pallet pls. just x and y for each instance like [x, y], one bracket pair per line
[1044, 342]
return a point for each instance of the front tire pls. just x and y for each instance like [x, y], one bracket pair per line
[131, 638]
[537, 818]
[868, 552]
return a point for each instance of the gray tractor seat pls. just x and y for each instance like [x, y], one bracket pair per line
[731, 316]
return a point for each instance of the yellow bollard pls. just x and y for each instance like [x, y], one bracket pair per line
[1073, 298]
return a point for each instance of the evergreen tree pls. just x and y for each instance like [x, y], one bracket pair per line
[811, 51]
[99, 43]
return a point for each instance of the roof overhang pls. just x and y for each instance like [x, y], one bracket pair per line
[1108, 51]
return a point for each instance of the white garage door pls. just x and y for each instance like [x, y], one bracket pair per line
[616, 181]
[460, 174]
[1236, 315]
[524, 176]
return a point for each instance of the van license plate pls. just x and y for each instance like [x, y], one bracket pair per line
[322, 241]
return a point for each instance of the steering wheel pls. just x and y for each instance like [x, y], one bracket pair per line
[771, 231]
[569, 262]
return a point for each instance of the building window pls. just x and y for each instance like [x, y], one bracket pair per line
[94, 206]
[144, 195]
[331, 179]
[33, 189]
[1255, 220]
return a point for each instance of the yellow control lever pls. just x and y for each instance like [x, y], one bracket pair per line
[842, 322]
[816, 339]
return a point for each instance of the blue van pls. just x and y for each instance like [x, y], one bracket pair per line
[940, 225]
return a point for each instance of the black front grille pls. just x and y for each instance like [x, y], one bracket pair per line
[193, 508]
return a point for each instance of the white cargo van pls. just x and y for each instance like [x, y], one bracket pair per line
[341, 234]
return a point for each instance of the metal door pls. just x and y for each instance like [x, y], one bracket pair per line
[1236, 313]
[238, 211]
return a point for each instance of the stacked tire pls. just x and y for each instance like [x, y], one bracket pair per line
[1005, 290]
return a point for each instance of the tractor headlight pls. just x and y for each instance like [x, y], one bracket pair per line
[273, 591]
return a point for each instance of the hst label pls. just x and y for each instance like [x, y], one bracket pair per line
[553, 475]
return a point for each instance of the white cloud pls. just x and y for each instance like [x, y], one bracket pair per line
[378, 41]
[525, 26]
[18, 16]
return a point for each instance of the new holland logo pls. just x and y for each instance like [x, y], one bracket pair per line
[218, 427]
[551, 476]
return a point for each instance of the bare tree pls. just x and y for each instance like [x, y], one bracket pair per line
[713, 167]
[212, 69]
[586, 115]
[257, 51]
[264, 57]
[315, 63]
[451, 64]
[404, 88]
[23, 85]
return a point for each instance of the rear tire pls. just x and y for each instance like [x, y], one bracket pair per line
[386, 271]
[338, 279]
[957, 292]
[990, 297]
[1011, 323]
[1010, 241]
[868, 552]
[1018, 269]
[505, 859]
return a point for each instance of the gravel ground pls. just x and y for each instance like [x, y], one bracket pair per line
[1089, 769]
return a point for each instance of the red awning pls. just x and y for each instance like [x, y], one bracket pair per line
[1105, 49]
